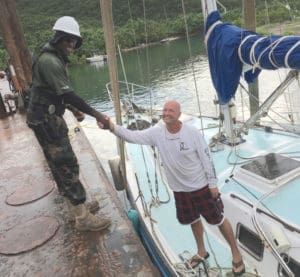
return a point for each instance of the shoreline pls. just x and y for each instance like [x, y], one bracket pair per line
[144, 45]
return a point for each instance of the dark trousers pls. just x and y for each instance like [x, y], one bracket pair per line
[61, 159]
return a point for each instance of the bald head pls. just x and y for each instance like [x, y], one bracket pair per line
[171, 112]
[174, 105]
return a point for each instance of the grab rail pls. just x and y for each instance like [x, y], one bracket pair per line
[262, 233]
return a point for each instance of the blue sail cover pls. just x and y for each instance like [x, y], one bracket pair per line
[230, 47]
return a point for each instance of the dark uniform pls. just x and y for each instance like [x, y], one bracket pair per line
[45, 116]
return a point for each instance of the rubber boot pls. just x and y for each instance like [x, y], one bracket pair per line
[85, 221]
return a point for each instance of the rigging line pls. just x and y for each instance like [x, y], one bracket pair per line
[142, 149]
[270, 109]
[135, 43]
[282, 126]
[213, 252]
[234, 163]
[288, 100]
[163, 181]
[193, 68]
[242, 102]
[123, 69]
[147, 174]
[267, 16]
[286, 6]
[147, 58]
[129, 92]
[155, 176]
[254, 157]
[141, 196]
[159, 243]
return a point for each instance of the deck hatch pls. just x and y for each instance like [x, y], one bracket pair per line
[250, 241]
[272, 167]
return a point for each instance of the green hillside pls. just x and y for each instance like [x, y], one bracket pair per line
[161, 18]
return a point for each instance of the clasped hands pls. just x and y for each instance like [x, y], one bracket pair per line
[104, 122]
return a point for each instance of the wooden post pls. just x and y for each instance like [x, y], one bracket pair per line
[108, 27]
[14, 42]
[250, 24]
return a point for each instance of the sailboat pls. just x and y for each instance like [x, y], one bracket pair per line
[258, 166]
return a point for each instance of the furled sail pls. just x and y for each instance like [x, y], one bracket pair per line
[230, 48]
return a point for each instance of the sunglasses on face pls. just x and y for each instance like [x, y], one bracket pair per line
[71, 40]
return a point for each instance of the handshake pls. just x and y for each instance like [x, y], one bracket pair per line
[104, 121]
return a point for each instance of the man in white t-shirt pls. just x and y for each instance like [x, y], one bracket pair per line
[190, 174]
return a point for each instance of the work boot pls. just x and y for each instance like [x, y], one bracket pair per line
[85, 221]
[92, 207]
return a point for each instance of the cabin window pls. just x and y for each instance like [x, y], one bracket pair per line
[271, 166]
[250, 241]
[292, 264]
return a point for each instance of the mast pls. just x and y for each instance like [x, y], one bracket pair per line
[250, 24]
[108, 27]
[209, 6]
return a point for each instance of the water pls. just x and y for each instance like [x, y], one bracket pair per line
[169, 73]
[172, 73]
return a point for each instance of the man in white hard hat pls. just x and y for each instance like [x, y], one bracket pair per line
[50, 94]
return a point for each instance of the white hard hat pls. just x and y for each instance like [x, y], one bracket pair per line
[68, 25]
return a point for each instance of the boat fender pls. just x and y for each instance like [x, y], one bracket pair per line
[134, 218]
[115, 168]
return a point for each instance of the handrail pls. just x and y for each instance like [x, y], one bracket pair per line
[279, 220]
[262, 233]
[132, 85]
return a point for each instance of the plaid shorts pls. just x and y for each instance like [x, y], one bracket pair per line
[190, 205]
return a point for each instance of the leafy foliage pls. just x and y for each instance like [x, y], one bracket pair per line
[137, 22]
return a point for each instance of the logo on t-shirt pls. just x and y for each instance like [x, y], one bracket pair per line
[182, 146]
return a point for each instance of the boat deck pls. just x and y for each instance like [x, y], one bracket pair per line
[36, 236]
[169, 230]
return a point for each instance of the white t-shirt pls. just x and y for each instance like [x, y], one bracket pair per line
[185, 155]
